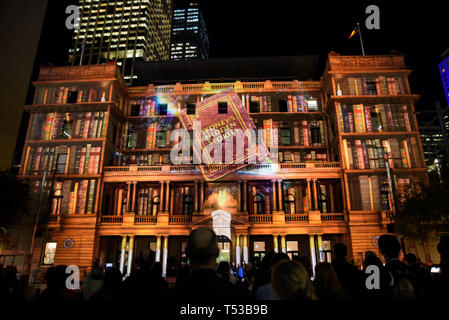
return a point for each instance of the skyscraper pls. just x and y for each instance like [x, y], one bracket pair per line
[189, 38]
[123, 31]
[444, 72]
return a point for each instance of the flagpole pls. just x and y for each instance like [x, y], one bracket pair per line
[361, 40]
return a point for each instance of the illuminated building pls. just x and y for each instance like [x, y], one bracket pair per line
[116, 194]
[122, 31]
[189, 38]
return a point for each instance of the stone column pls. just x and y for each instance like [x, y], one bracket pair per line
[133, 204]
[331, 197]
[245, 249]
[128, 195]
[161, 197]
[320, 247]
[309, 194]
[275, 205]
[312, 252]
[195, 205]
[120, 202]
[167, 197]
[158, 249]
[165, 256]
[283, 244]
[130, 254]
[315, 195]
[239, 197]
[122, 254]
[275, 243]
[280, 196]
[245, 196]
[237, 251]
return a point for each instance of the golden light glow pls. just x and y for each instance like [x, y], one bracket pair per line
[222, 197]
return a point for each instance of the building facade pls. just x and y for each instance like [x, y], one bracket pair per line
[344, 142]
[189, 40]
[123, 31]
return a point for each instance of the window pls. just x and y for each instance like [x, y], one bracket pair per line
[254, 106]
[161, 139]
[155, 205]
[222, 108]
[191, 108]
[259, 204]
[163, 109]
[132, 139]
[61, 163]
[385, 196]
[292, 249]
[290, 204]
[283, 106]
[72, 97]
[49, 253]
[135, 110]
[67, 129]
[187, 205]
[286, 136]
[259, 249]
[371, 87]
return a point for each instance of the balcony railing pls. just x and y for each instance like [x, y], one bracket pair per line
[145, 219]
[332, 217]
[180, 219]
[192, 167]
[303, 217]
[53, 218]
[112, 219]
[261, 218]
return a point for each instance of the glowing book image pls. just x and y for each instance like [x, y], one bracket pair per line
[221, 124]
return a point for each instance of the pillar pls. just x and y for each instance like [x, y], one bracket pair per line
[245, 196]
[275, 243]
[158, 249]
[122, 254]
[165, 256]
[128, 195]
[275, 205]
[201, 195]
[130, 254]
[331, 197]
[195, 209]
[119, 202]
[320, 248]
[245, 249]
[237, 251]
[312, 253]
[315, 195]
[161, 197]
[309, 194]
[283, 244]
[133, 204]
[167, 197]
[280, 196]
[239, 195]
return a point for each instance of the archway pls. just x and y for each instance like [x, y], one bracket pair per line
[221, 224]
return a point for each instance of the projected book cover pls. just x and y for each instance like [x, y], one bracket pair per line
[225, 137]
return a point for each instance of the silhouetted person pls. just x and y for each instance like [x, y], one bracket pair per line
[326, 283]
[266, 291]
[384, 292]
[441, 285]
[112, 288]
[224, 271]
[390, 248]
[93, 281]
[203, 282]
[262, 274]
[56, 285]
[291, 281]
[419, 276]
[146, 281]
[347, 273]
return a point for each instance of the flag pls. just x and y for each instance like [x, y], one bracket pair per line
[354, 32]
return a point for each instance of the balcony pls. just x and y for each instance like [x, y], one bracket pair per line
[261, 218]
[111, 219]
[296, 218]
[145, 219]
[180, 219]
[332, 217]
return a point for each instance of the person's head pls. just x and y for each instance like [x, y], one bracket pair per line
[410, 259]
[389, 246]
[202, 248]
[340, 251]
[112, 278]
[372, 259]
[278, 257]
[290, 281]
[404, 289]
[223, 267]
[325, 277]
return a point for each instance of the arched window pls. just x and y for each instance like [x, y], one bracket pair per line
[290, 204]
[187, 205]
[259, 204]
[155, 205]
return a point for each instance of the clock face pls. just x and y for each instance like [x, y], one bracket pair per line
[68, 243]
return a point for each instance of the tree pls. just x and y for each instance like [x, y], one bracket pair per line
[421, 207]
[14, 201]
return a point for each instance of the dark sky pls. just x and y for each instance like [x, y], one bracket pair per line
[276, 28]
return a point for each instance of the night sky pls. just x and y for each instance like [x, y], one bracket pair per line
[279, 28]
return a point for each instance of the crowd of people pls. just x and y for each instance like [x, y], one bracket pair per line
[274, 277]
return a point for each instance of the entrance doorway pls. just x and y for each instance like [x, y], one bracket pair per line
[225, 247]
